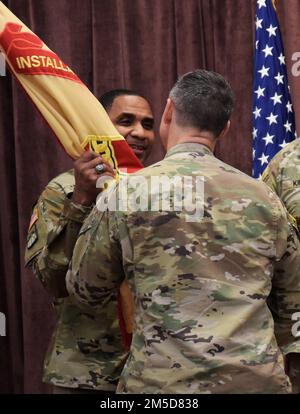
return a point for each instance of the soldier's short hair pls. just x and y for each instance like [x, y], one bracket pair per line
[203, 99]
[108, 97]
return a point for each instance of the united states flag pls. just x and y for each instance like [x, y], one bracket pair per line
[273, 116]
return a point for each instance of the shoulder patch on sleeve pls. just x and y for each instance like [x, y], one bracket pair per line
[32, 236]
[34, 217]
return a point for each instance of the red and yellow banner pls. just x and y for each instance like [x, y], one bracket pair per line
[73, 113]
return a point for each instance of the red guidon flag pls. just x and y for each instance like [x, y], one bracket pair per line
[73, 113]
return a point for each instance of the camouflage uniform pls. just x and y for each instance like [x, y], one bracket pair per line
[283, 176]
[204, 289]
[86, 349]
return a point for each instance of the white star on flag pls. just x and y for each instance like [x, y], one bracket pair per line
[264, 71]
[272, 118]
[287, 126]
[264, 159]
[276, 98]
[281, 59]
[289, 107]
[261, 3]
[258, 23]
[268, 51]
[279, 78]
[260, 92]
[268, 139]
[257, 112]
[271, 30]
[284, 144]
[254, 133]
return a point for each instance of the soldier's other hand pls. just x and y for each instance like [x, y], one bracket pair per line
[86, 176]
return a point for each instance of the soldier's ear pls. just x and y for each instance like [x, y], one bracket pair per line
[225, 130]
[168, 112]
[165, 123]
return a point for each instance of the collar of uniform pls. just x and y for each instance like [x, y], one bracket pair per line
[189, 147]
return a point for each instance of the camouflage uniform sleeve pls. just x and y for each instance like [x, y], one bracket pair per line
[53, 231]
[96, 270]
[270, 177]
[284, 180]
[284, 300]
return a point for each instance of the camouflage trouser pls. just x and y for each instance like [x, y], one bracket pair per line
[65, 390]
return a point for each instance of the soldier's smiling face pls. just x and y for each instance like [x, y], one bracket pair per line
[133, 118]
